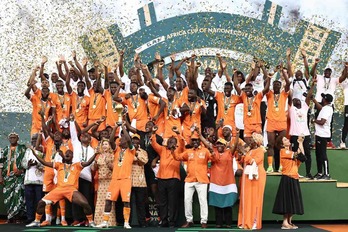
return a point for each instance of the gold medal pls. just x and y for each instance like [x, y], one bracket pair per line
[94, 106]
[135, 110]
[119, 164]
[249, 113]
[277, 109]
[225, 112]
[167, 117]
[77, 110]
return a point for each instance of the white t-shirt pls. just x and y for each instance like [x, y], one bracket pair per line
[324, 130]
[327, 86]
[344, 85]
[298, 119]
[239, 116]
[259, 85]
[298, 87]
[218, 83]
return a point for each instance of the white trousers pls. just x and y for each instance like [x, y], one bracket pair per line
[202, 191]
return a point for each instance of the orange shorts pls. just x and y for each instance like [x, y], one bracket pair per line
[118, 187]
[48, 183]
[249, 129]
[59, 193]
[273, 126]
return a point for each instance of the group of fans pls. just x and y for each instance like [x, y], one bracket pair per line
[129, 136]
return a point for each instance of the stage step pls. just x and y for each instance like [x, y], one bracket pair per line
[342, 185]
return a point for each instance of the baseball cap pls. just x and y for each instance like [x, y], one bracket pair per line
[327, 97]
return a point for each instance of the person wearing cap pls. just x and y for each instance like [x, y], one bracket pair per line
[326, 84]
[168, 177]
[223, 191]
[252, 185]
[344, 83]
[12, 178]
[67, 185]
[139, 187]
[276, 115]
[252, 104]
[322, 135]
[197, 179]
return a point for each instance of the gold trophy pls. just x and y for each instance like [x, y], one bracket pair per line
[119, 109]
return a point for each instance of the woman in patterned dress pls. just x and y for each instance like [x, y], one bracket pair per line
[103, 164]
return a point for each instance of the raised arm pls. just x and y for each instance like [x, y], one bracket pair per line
[305, 62]
[160, 75]
[222, 68]
[106, 76]
[267, 85]
[42, 67]
[344, 73]
[314, 67]
[41, 160]
[287, 82]
[112, 137]
[120, 62]
[310, 92]
[78, 65]
[89, 162]
[177, 68]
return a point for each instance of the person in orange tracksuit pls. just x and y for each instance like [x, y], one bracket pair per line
[252, 103]
[277, 102]
[289, 198]
[67, 184]
[168, 177]
[197, 179]
[252, 186]
[121, 182]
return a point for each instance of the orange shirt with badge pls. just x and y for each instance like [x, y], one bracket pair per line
[97, 105]
[170, 120]
[68, 174]
[228, 103]
[252, 106]
[79, 108]
[275, 113]
[197, 164]
[123, 162]
[290, 166]
[137, 110]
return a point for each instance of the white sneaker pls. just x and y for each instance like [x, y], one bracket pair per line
[127, 226]
[58, 222]
[33, 224]
[92, 224]
[103, 225]
[342, 145]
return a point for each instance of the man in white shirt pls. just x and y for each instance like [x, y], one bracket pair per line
[299, 127]
[323, 134]
[82, 153]
[33, 179]
[344, 83]
[325, 84]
